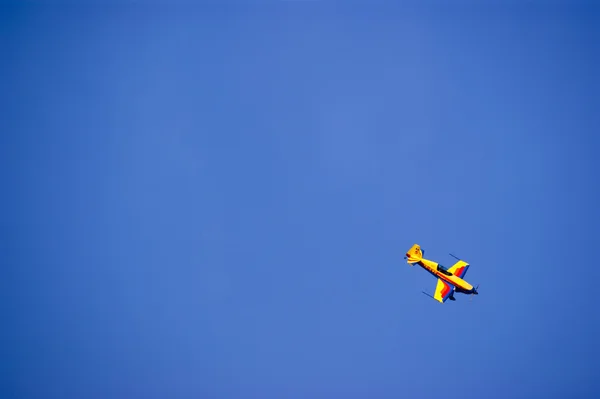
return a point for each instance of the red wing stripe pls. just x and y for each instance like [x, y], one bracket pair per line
[445, 290]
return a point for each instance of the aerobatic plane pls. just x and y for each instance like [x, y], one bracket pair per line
[449, 280]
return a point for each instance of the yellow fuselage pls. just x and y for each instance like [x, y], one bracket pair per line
[432, 267]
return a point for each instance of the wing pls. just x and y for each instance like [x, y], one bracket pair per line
[443, 291]
[459, 269]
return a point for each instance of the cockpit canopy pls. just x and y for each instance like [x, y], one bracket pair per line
[442, 269]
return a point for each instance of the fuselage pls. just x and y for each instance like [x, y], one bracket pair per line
[440, 272]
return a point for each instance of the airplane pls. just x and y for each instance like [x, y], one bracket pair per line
[449, 280]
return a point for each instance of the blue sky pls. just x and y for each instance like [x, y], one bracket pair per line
[214, 202]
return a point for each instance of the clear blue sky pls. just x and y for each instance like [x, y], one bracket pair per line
[214, 202]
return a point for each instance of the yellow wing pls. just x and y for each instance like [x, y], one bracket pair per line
[443, 291]
[459, 269]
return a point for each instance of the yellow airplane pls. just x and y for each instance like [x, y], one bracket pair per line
[449, 280]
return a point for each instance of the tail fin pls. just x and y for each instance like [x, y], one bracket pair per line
[414, 254]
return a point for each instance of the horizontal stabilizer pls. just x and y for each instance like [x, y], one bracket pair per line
[414, 254]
